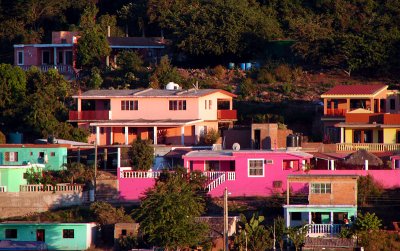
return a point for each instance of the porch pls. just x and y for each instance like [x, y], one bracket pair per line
[371, 147]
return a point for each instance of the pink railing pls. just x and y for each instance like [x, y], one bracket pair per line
[90, 115]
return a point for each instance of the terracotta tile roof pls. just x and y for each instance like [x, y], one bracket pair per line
[355, 89]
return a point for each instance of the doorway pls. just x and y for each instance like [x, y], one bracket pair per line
[40, 235]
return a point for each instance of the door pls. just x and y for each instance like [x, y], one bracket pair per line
[40, 235]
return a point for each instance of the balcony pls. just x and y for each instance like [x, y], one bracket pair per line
[318, 230]
[62, 69]
[370, 147]
[335, 112]
[227, 114]
[89, 115]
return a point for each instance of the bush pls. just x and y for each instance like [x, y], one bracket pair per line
[265, 76]
[247, 88]
[283, 73]
[219, 71]
[211, 137]
[367, 187]
[287, 88]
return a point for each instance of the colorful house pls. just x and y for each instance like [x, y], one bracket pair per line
[342, 99]
[331, 203]
[52, 156]
[168, 116]
[12, 177]
[243, 173]
[375, 132]
[57, 236]
[61, 53]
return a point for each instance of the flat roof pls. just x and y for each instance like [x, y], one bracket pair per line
[147, 122]
[211, 153]
[34, 145]
[150, 92]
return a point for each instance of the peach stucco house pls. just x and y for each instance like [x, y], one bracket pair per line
[175, 116]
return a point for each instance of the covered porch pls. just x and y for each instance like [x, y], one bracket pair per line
[177, 132]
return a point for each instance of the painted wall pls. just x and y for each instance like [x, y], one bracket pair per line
[83, 234]
[30, 153]
[13, 177]
[389, 135]
[133, 188]
[348, 135]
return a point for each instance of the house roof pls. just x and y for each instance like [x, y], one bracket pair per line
[146, 122]
[355, 90]
[230, 153]
[137, 42]
[151, 93]
[359, 157]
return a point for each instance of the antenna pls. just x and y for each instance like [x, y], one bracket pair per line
[236, 147]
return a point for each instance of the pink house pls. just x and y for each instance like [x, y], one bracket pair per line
[244, 173]
[168, 116]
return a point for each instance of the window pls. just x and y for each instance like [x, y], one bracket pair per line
[11, 156]
[269, 161]
[68, 57]
[318, 188]
[123, 232]
[129, 105]
[52, 154]
[11, 234]
[20, 57]
[392, 104]
[68, 233]
[177, 105]
[102, 131]
[256, 167]
[296, 216]
[92, 129]
[46, 57]
[209, 104]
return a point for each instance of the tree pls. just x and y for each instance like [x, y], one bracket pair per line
[366, 228]
[367, 187]
[280, 231]
[79, 173]
[129, 61]
[164, 73]
[141, 155]
[169, 211]
[93, 45]
[297, 235]
[253, 234]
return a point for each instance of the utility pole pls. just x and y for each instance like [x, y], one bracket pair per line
[226, 244]
[95, 168]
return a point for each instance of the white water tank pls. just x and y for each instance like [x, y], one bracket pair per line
[172, 86]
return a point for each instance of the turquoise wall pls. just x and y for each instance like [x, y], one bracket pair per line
[53, 234]
[12, 178]
[31, 154]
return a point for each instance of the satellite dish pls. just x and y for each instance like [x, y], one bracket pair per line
[236, 147]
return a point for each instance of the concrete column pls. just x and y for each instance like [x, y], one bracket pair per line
[287, 218]
[79, 104]
[331, 217]
[287, 192]
[341, 134]
[309, 217]
[97, 135]
[155, 135]
[126, 135]
[230, 105]
[111, 136]
[347, 105]
[55, 57]
[182, 135]
[325, 106]
[366, 165]
[332, 164]
[379, 105]
[303, 164]
[372, 104]
[118, 157]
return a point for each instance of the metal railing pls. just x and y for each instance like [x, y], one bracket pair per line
[51, 188]
[371, 147]
[324, 229]
[215, 183]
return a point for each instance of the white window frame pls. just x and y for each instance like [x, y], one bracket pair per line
[323, 188]
[248, 168]
[13, 156]
[23, 57]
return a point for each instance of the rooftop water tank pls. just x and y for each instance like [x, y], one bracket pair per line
[172, 86]
[15, 138]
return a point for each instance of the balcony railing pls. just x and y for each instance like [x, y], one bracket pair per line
[63, 69]
[50, 188]
[324, 229]
[335, 112]
[90, 115]
[212, 175]
[370, 147]
[227, 114]
[139, 174]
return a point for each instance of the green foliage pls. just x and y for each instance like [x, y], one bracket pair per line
[168, 213]
[367, 187]
[95, 80]
[79, 173]
[264, 76]
[297, 235]
[287, 88]
[366, 222]
[219, 71]
[280, 231]
[210, 137]
[129, 61]
[127, 242]
[283, 73]
[247, 88]
[33, 176]
[106, 214]
[164, 73]
[254, 233]
[141, 155]
[379, 240]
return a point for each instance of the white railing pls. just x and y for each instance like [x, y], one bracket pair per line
[371, 147]
[324, 229]
[3, 189]
[45, 68]
[215, 183]
[139, 174]
[212, 175]
[56, 188]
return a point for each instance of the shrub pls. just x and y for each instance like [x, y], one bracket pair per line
[287, 88]
[141, 155]
[265, 76]
[247, 88]
[283, 73]
[219, 71]
[367, 187]
[211, 137]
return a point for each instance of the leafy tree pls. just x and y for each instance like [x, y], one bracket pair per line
[95, 80]
[129, 61]
[210, 137]
[367, 187]
[298, 235]
[106, 214]
[141, 155]
[164, 73]
[254, 234]
[280, 231]
[79, 173]
[168, 214]
[366, 222]
[247, 88]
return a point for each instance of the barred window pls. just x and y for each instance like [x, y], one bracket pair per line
[318, 188]
[256, 167]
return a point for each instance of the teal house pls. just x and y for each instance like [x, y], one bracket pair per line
[56, 236]
[11, 177]
[332, 203]
[52, 156]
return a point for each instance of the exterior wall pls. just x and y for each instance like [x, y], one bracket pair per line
[389, 135]
[342, 193]
[30, 153]
[210, 114]
[133, 189]
[348, 135]
[53, 234]
[12, 178]
[393, 95]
